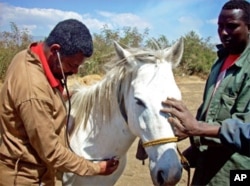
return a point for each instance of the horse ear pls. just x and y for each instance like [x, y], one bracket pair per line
[175, 52]
[121, 52]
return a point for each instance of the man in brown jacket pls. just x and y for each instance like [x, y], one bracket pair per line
[33, 114]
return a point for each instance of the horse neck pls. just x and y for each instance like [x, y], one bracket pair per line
[101, 101]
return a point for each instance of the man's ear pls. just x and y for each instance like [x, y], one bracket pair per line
[55, 48]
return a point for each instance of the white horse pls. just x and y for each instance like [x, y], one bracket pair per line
[125, 104]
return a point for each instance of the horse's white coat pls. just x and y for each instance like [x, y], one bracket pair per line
[136, 84]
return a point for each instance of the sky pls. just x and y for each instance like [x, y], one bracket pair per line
[171, 18]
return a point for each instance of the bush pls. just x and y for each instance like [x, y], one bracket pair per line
[198, 56]
[11, 43]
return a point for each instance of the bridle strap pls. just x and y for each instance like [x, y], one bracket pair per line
[160, 141]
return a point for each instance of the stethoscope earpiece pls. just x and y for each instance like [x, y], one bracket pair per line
[60, 63]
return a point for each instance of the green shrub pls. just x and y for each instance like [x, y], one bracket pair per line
[198, 57]
[11, 43]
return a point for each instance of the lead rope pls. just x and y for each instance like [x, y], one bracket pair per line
[185, 165]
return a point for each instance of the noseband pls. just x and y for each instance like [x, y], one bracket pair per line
[160, 141]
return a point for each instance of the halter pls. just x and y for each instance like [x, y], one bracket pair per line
[160, 141]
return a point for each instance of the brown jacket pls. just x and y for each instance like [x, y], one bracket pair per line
[32, 121]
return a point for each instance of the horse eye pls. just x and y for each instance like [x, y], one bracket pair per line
[139, 102]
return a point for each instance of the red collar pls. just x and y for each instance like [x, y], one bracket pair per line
[229, 62]
[37, 48]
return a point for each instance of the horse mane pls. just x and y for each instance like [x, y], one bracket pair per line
[107, 92]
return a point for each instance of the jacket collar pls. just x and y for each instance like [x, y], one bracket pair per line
[37, 48]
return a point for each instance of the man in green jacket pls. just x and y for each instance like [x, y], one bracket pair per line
[226, 95]
[232, 132]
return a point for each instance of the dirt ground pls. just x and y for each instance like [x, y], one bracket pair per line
[135, 173]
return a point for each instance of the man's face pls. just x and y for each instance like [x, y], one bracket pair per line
[70, 65]
[233, 31]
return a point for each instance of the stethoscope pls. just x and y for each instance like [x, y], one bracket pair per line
[64, 83]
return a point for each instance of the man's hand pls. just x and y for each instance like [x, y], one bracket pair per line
[108, 167]
[184, 124]
[178, 129]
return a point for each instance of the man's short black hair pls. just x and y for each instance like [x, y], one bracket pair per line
[239, 4]
[73, 37]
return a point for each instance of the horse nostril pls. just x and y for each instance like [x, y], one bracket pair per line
[160, 178]
[163, 178]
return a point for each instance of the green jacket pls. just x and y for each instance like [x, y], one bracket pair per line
[231, 100]
[236, 134]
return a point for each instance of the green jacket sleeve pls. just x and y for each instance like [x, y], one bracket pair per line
[236, 134]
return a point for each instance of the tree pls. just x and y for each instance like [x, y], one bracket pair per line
[11, 43]
[104, 50]
[198, 56]
[197, 59]
[155, 43]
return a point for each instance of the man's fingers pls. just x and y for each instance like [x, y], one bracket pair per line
[174, 104]
[175, 122]
[178, 128]
[176, 125]
[173, 111]
[109, 166]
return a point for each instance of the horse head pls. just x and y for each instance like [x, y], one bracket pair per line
[152, 81]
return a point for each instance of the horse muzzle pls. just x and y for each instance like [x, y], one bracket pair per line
[167, 170]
